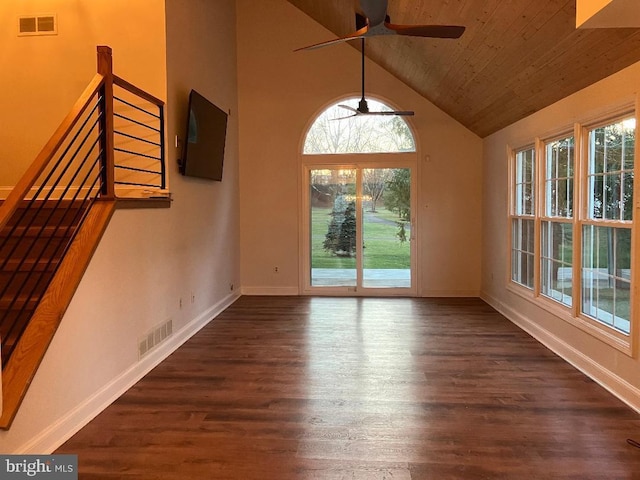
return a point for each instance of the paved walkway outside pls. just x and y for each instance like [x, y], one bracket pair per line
[372, 277]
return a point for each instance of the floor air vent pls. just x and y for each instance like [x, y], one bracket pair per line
[155, 337]
[37, 25]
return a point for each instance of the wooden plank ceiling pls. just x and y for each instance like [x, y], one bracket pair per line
[515, 58]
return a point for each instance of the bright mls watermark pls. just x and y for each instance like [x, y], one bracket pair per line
[51, 467]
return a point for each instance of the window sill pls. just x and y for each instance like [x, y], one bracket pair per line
[592, 327]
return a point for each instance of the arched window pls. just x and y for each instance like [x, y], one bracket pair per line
[335, 131]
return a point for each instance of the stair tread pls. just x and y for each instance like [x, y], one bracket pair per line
[6, 302]
[41, 265]
[39, 231]
[49, 204]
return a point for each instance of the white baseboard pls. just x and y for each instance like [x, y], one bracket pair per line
[271, 291]
[63, 429]
[616, 385]
[450, 293]
[288, 291]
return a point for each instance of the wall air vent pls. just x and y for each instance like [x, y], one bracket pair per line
[37, 25]
[154, 337]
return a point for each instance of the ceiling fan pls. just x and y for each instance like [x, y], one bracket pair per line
[363, 107]
[372, 20]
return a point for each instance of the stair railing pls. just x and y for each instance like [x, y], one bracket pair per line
[104, 141]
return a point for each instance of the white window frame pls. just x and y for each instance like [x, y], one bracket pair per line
[518, 216]
[547, 217]
[626, 343]
[619, 339]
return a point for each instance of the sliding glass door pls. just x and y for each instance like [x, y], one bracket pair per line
[333, 234]
[386, 227]
[360, 236]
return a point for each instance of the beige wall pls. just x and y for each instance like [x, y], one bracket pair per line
[148, 259]
[607, 365]
[42, 76]
[280, 92]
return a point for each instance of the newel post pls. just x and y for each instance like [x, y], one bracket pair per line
[105, 68]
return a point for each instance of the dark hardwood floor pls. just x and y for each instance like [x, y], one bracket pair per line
[361, 388]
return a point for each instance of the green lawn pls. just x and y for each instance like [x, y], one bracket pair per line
[382, 247]
[621, 303]
[383, 213]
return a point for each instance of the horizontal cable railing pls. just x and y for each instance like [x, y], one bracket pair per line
[40, 230]
[138, 137]
[106, 140]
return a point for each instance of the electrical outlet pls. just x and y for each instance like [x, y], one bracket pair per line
[275, 269]
[180, 302]
[193, 297]
[231, 287]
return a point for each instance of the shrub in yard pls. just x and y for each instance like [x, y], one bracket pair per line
[340, 239]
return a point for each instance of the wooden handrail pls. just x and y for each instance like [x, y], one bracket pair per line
[104, 78]
[92, 114]
[22, 366]
[27, 181]
[137, 91]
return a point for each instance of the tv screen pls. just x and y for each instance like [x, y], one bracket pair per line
[206, 133]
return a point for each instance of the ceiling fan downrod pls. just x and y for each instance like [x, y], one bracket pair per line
[362, 105]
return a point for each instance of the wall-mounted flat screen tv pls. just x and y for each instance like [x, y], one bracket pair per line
[203, 154]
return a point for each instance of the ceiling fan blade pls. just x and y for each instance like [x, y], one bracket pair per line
[351, 109]
[355, 111]
[343, 118]
[400, 113]
[404, 113]
[430, 31]
[352, 36]
[358, 113]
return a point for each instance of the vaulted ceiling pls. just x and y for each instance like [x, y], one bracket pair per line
[515, 57]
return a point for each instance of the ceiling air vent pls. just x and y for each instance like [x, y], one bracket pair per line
[37, 25]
